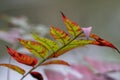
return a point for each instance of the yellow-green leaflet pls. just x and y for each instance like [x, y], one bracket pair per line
[14, 67]
[34, 47]
[49, 44]
[73, 28]
[72, 45]
[59, 35]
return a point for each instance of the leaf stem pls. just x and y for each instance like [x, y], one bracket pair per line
[50, 56]
[32, 69]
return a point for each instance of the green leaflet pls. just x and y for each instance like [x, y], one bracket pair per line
[72, 45]
[14, 67]
[49, 44]
[73, 28]
[36, 48]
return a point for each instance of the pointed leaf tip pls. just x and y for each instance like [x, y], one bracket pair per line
[63, 16]
[7, 47]
[73, 28]
[118, 51]
[102, 42]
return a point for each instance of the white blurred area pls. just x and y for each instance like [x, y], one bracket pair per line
[103, 15]
[74, 57]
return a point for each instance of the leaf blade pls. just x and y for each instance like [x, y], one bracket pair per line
[59, 35]
[14, 67]
[49, 44]
[102, 42]
[62, 62]
[73, 28]
[22, 58]
[36, 48]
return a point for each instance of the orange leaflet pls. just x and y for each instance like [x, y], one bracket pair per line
[34, 47]
[102, 42]
[22, 58]
[14, 67]
[56, 62]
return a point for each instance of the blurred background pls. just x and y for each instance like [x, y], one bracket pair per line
[102, 15]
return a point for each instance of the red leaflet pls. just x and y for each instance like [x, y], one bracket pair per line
[37, 75]
[22, 58]
[102, 42]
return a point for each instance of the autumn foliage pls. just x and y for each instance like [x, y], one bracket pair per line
[45, 49]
